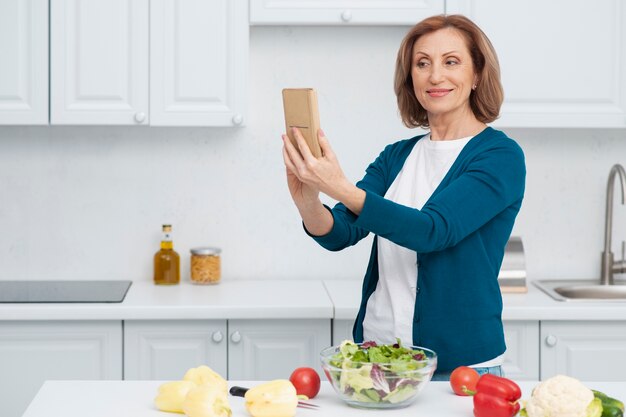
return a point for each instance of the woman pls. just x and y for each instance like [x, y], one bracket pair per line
[441, 205]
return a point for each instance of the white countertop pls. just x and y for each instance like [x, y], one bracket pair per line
[136, 399]
[277, 299]
[533, 305]
[236, 299]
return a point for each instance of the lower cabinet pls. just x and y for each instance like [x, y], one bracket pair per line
[587, 350]
[521, 360]
[260, 349]
[236, 349]
[342, 330]
[164, 350]
[272, 349]
[32, 352]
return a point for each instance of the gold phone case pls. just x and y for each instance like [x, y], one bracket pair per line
[300, 105]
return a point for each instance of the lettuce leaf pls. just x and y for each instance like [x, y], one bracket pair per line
[377, 373]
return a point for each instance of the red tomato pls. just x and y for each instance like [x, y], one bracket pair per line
[464, 378]
[306, 381]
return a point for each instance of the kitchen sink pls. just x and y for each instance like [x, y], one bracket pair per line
[583, 290]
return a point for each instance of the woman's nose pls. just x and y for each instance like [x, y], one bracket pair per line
[436, 75]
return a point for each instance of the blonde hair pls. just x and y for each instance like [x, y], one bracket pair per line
[485, 100]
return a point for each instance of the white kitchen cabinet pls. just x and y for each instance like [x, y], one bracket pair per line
[34, 351]
[142, 62]
[252, 349]
[272, 349]
[521, 360]
[342, 330]
[198, 62]
[566, 74]
[158, 350]
[342, 12]
[587, 350]
[99, 57]
[24, 68]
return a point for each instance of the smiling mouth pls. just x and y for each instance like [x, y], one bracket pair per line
[438, 92]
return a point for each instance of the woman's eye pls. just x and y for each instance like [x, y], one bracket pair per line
[421, 64]
[451, 62]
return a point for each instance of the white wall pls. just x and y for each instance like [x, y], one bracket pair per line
[88, 202]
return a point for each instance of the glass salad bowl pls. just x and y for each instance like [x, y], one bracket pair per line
[367, 375]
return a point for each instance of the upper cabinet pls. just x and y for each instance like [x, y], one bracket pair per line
[563, 62]
[24, 62]
[198, 62]
[185, 62]
[342, 12]
[99, 53]
[121, 62]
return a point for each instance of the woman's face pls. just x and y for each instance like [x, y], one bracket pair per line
[442, 72]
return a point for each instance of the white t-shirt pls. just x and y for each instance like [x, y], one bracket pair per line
[389, 312]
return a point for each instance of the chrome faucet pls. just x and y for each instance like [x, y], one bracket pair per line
[608, 265]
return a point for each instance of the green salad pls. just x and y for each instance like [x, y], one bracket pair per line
[373, 373]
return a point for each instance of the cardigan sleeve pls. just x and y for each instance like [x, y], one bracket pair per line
[345, 232]
[493, 180]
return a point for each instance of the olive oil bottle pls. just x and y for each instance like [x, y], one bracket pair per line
[166, 260]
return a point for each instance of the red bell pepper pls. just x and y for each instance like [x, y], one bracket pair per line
[496, 397]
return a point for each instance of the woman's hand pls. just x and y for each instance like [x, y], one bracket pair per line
[308, 175]
[317, 220]
[302, 194]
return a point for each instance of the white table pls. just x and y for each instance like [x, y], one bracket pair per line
[136, 399]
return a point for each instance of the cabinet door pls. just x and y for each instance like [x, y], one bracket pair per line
[165, 350]
[341, 12]
[99, 62]
[272, 349]
[566, 74]
[587, 350]
[33, 352]
[342, 330]
[521, 360]
[24, 67]
[198, 62]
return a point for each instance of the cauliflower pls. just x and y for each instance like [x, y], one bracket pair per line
[563, 396]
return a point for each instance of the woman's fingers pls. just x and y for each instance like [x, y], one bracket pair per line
[327, 150]
[286, 158]
[290, 154]
[303, 160]
[302, 145]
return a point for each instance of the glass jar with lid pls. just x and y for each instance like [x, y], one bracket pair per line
[205, 265]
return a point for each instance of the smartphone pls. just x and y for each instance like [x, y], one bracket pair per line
[300, 105]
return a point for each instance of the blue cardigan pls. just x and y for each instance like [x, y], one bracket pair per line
[459, 236]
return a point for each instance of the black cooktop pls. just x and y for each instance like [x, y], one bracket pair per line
[63, 291]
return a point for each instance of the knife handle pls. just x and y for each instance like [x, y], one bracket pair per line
[238, 391]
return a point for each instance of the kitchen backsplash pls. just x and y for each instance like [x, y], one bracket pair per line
[88, 202]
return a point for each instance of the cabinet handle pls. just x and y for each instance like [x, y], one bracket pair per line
[140, 117]
[551, 340]
[346, 15]
[235, 337]
[218, 336]
[237, 119]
